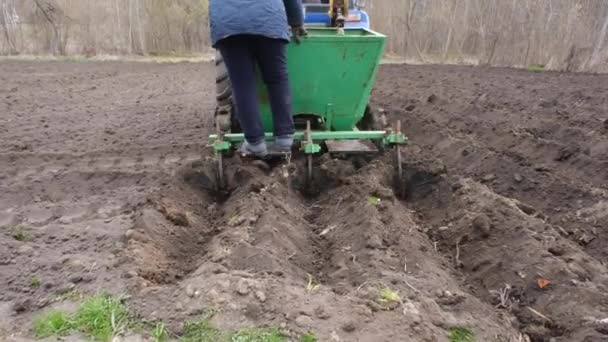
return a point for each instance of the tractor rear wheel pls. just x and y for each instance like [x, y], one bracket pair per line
[225, 112]
[223, 94]
[372, 120]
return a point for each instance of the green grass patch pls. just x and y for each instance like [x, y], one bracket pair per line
[204, 331]
[160, 333]
[373, 200]
[102, 317]
[35, 283]
[388, 296]
[536, 68]
[19, 233]
[258, 335]
[310, 337]
[201, 331]
[459, 334]
[52, 323]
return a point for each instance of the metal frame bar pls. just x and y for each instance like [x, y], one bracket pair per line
[316, 135]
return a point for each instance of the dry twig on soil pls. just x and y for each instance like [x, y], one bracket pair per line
[505, 297]
[405, 276]
[361, 286]
[539, 314]
[411, 286]
[327, 230]
[457, 260]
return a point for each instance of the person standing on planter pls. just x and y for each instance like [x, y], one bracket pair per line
[250, 33]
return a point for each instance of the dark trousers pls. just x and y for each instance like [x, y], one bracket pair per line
[242, 53]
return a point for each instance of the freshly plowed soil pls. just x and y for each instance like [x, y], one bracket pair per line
[104, 180]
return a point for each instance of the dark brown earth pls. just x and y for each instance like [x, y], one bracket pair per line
[102, 175]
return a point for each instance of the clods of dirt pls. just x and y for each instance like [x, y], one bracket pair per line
[353, 257]
[500, 233]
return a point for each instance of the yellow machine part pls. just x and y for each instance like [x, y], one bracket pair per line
[334, 5]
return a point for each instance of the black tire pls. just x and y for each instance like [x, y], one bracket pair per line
[223, 94]
[235, 126]
[371, 120]
[224, 103]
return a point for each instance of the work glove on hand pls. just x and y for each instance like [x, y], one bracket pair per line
[297, 33]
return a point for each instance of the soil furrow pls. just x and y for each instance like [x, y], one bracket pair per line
[501, 234]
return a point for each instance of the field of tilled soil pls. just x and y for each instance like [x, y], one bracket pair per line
[501, 237]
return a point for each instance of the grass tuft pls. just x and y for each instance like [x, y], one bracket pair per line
[35, 283]
[72, 295]
[52, 323]
[258, 335]
[536, 68]
[312, 285]
[102, 317]
[389, 296]
[160, 333]
[201, 331]
[309, 337]
[19, 233]
[374, 201]
[459, 334]
[235, 220]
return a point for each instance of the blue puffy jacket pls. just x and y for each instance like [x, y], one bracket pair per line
[269, 18]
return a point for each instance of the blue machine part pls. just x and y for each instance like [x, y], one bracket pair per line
[317, 15]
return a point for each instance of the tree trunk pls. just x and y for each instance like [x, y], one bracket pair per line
[6, 18]
[56, 43]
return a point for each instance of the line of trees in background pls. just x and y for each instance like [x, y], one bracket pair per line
[558, 34]
[92, 27]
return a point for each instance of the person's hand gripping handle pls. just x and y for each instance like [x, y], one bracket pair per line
[297, 33]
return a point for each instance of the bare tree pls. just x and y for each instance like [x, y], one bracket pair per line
[561, 34]
[595, 57]
[54, 16]
[8, 16]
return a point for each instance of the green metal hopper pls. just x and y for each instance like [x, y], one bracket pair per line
[331, 73]
[331, 76]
